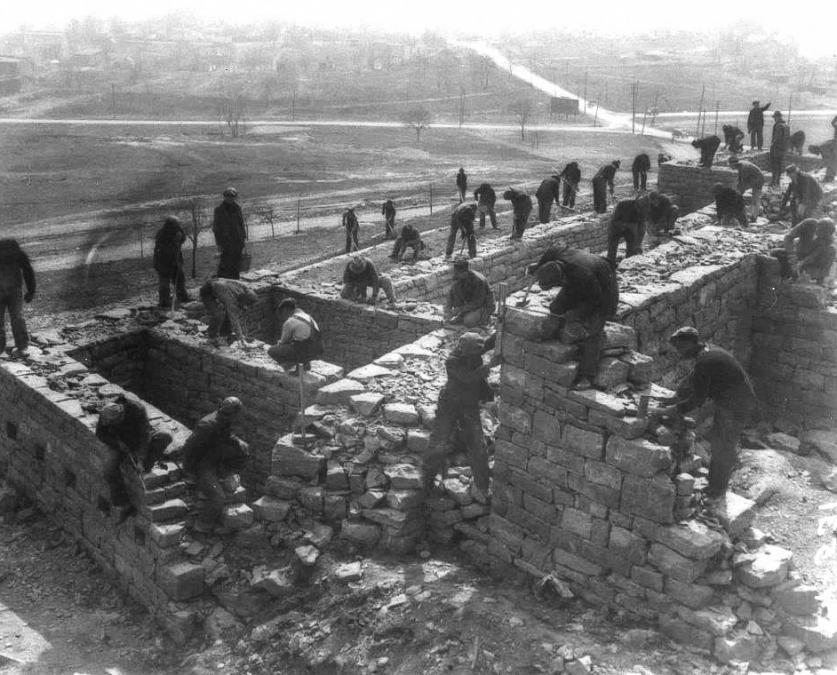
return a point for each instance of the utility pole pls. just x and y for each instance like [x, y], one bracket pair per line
[700, 110]
[585, 90]
[431, 198]
[298, 199]
[113, 99]
[790, 105]
[717, 109]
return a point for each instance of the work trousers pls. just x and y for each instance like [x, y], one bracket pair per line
[466, 232]
[632, 233]
[520, 220]
[483, 209]
[544, 208]
[777, 160]
[390, 227]
[569, 191]
[400, 248]
[755, 204]
[112, 466]
[583, 326]
[450, 416]
[756, 138]
[599, 194]
[640, 179]
[730, 418]
[165, 284]
[351, 239]
[12, 301]
[229, 264]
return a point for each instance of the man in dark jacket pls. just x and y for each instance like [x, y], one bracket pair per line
[729, 204]
[470, 299]
[662, 216]
[462, 222]
[458, 409]
[360, 273]
[828, 152]
[461, 184]
[708, 146]
[717, 376]
[639, 169]
[224, 299]
[124, 428]
[549, 190]
[628, 223]
[755, 125]
[571, 178]
[817, 264]
[733, 138]
[601, 182]
[15, 271]
[352, 228]
[230, 234]
[588, 297]
[750, 177]
[522, 207]
[485, 198]
[804, 193]
[778, 146]
[410, 237]
[168, 261]
[808, 241]
[210, 454]
[388, 212]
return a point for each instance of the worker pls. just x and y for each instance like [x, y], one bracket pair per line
[750, 177]
[462, 222]
[352, 228]
[470, 300]
[522, 207]
[15, 272]
[168, 262]
[224, 299]
[548, 190]
[729, 204]
[588, 297]
[300, 341]
[360, 274]
[601, 182]
[755, 124]
[408, 238]
[817, 264]
[628, 223]
[571, 178]
[388, 212]
[485, 198]
[733, 138]
[639, 170]
[211, 453]
[809, 241]
[708, 146]
[778, 147]
[461, 184]
[230, 235]
[124, 428]
[828, 152]
[458, 409]
[662, 217]
[716, 376]
[804, 193]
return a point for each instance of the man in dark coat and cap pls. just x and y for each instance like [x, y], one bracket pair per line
[230, 234]
[15, 271]
[168, 261]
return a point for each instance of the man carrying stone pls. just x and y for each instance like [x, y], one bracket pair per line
[778, 146]
[716, 376]
[750, 177]
[360, 274]
[409, 238]
[124, 428]
[548, 190]
[210, 454]
[15, 271]
[588, 297]
[388, 212]
[601, 182]
[458, 408]
[755, 124]
[470, 299]
[300, 341]
[522, 207]
[224, 299]
[230, 234]
[486, 198]
[462, 222]
[804, 193]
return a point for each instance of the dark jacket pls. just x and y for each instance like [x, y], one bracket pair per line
[804, 190]
[572, 173]
[168, 257]
[755, 120]
[462, 180]
[350, 219]
[134, 431]
[718, 376]
[606, 174]
[368, 276]
[800, 240]
[549, 189]
[409, 233]
[388, 209]
[472, 292]
[207, 443]
[228, 226]
[521, 202]
[466, 379]
[780, 137]
[659, 207]
[642, 162]
[632, 210]
[749, 176]
[15, 268]
[463, 215]
[589, 281]
[485, 194]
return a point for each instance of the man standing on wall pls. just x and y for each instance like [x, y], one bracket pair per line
[230, 234]
[755, 125]
[486, 198]
[15, 271]
[778, 146]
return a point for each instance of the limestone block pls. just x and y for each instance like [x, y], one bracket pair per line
[611, 372]
[652, 498]
[685, 633]
[598, 400]
[270, 509]
[741, 647]
[336, 478]
[405, 476]
[417, 441]
[401, 413]
[389, 360]
[735, 513]
[627, 544]
[639, 457]
[619, 335]
[282, 488]
[818, 633]
[181, 581]
[311, 497]
[583, 441]
[364, 535]
[290, 460]
[370, 372]
[716, 620]
[692, 539]
[347, 572]
[278, 582]
[766, 567]
[334, 507]
[675, 565]
[340, 392]
[405, 500]
[692, 595]
[237, 516]
[171, 509]
[640, 367]
[166, 535]
[366, 403]
[800, 600]
[782, 441]
[371, 499]
[307, 554]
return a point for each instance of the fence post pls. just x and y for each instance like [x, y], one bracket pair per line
[297, 213]
[139, 234]
[431, 198]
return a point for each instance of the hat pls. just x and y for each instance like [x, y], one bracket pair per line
[231, 192]
[777, 113]
[460, 263]
[230, 406]
[685, 333]
[111, 413]
[471, 343]
[287, 303]
[791, 169]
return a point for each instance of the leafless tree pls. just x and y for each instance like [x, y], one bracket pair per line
[523, 108]
[418, 118]
[232, 112]
[195, 206]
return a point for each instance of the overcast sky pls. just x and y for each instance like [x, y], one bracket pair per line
[815, 35]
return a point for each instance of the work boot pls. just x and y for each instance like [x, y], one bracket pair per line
[17, 352]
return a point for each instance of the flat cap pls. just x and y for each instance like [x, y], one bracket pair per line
[685, 333]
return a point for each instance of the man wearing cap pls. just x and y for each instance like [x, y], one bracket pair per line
[755, 125]
[168, 261]
[470, 299]
[124, 428]
[224, 299]
[212, 452]
[548, 190]
[230, 234]
[409, 238]
[804, 193]
[601, 182]
[300, 341]
[352, 228]
[461, 184]
[587, 298]
[522, 207]
[717, 376]
[459, 407]
[778, 145]
[360, 273]
[750, 177]
[486, 198]
[388, 212]
[462, 222]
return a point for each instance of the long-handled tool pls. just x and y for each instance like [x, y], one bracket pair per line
[525, 300]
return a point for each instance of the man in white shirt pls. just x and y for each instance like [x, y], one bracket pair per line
[300, 341]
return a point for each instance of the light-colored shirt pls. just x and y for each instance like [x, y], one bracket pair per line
[297, 327]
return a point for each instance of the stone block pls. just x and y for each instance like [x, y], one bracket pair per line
[766, 567]
[336, 478]
[692, 595]
[369, 372]
[611, 372]
[675, 565]
[640, 367]
[618, 335]
[340, 392]
[405, 500]
[627, 544]
[650, 498]
[334, 507]
[237, 516]
[282, 487]
[603, 474]
[405, 476]
[583, 441]
[270, 509]
[741, 647]
[735, 513]
[692, 539]
[311, 498]
[347, 572]
[577, 522]
[577, 563]
[364, 535]
[366, 403]
[417, 441]
[647, 577]
[819, 633]
[277, 582]
[799, 600]
[685, 633]
[716, 620]
[782, 441]
[401, 413]
[166, 535]
[639, 457]
[181, 581]
[289, 460]
[598, 400]
[546, 427]
[171, 509]
[307, 555]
